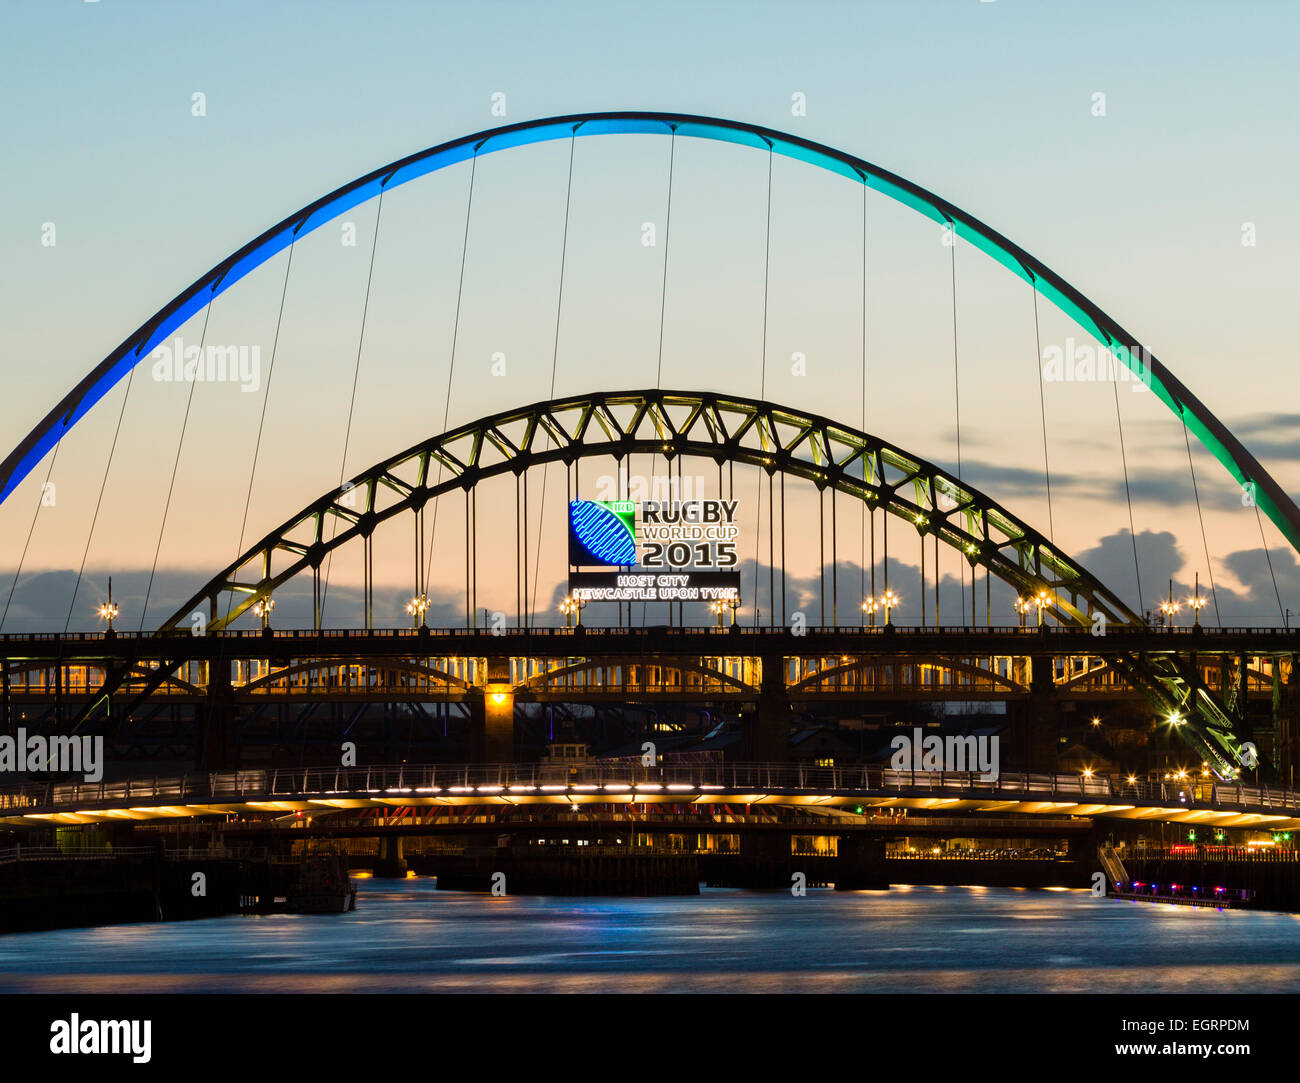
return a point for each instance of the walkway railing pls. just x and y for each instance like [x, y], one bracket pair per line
[694, 780]
[743, 631]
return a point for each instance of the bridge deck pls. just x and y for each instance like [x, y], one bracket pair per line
[321, 790]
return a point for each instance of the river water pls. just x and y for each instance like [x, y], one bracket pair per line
[406, 936]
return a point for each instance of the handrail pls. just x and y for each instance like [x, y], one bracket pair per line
[588, 630]
[698, 779]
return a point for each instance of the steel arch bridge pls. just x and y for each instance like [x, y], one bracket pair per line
[674, 424]
[723, 428]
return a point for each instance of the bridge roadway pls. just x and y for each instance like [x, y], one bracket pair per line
[75, 674]
[320, 790]
[284, 645]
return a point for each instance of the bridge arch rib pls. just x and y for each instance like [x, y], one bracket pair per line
[671, 423]
[726, 429]
[1216, 437]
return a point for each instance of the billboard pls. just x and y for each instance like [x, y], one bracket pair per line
[654, 550]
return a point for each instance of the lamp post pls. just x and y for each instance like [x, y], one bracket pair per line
[1022, 607]
[262, 608]
[1196, 603]
[417, 607]
[717, 607]
[869, 607]
[1041, 600]
[889, 600]
[1170, 607]
[108, 610]
[572, 607]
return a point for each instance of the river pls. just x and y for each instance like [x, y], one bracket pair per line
[406, 936]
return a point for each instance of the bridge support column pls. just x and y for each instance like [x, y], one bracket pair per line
[765, 731]
[390, 864]
[492, 715]
[1034, 728]
[217, 748]
[1288, 720]
[860, 864]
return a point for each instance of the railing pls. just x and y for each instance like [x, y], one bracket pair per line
[393, 784]
[659, 630]
[1213, 852]
[99, 853]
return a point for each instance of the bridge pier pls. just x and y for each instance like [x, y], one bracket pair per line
[217, 749]
[1288, 720]
[1034, 724]
[860, 864]
[492, 715]
[390, 864]
[765, 730]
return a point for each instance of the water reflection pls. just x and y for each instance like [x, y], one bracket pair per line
[405, 936]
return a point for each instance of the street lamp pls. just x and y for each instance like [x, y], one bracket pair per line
[1022, 607]
[889, 599]
[1196, 603]
[869, 607]
[108, 610]
[262, 608]
[417, 607]
[1040, 600]
[1170, 607]
[571, 605]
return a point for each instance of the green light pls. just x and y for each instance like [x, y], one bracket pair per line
[1191, 836]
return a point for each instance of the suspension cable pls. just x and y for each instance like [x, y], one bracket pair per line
[1128, 493]
[40, 503]
[451, 364]
[1267, 556]
[956, 393]
[663, 286]
[1042, 414]
[1204, 542]
[762, 393]
[663, 306]
[72, 602]
[352, 402]
[863, 561]
[180, 443]
[261, 422]
[555, 361]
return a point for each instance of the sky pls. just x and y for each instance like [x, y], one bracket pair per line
[1144, 152]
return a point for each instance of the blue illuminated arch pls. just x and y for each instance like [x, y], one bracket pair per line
[1212, 433]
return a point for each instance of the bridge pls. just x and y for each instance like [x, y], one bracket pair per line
[219, 675]
[633, 786]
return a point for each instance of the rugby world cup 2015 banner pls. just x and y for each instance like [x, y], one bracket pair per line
[679, 550]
